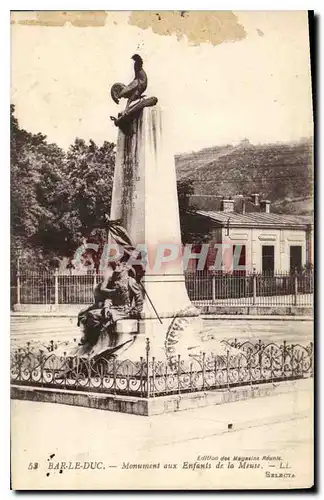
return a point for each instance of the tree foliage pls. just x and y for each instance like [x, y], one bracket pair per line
[57, 197]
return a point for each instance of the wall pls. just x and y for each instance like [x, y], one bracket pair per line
[254, 238]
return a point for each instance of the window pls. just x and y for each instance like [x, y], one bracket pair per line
[295, 257]
[268, 259]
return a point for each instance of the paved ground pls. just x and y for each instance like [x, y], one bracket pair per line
[43, 329]
[270, 330]
[274, 432]
[24, 329]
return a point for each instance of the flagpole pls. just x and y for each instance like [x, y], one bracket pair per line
[147, 295]
[141, 284]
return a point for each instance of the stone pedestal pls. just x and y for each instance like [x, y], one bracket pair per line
[145, 200]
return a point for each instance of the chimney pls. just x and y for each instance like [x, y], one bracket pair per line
[227, 205]
[255, 199]
[265, 206]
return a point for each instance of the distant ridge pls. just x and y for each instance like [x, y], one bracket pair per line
[280, 172]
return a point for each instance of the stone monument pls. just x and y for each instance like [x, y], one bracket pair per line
[145, 207]
[145, 200]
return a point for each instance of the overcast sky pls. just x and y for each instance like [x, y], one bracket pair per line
[257, 88]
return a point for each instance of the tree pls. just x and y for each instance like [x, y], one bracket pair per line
[30, 157]
[89, 175]
[57, 198]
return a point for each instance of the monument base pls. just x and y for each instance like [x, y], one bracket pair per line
[174, 336]
[158, 405]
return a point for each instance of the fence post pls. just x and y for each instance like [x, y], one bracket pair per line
[147, 349]
[18, 281]
[56, 294]
[254, 286]
[214, 288]
[296, 287]
[94, 278]
[203, 371]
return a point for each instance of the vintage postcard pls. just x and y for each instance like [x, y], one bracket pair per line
[162, 250]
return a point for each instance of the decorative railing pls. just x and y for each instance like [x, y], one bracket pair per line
[242, 364]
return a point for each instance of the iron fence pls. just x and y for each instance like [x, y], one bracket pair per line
[251, 289]
[48, 287]
[204, 288]
[242, 364]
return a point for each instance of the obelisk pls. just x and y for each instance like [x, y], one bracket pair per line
[145, 199]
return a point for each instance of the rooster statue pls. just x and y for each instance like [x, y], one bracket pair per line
[132, 92]
[135, 89]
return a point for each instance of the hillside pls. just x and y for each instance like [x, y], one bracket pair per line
[282, 173]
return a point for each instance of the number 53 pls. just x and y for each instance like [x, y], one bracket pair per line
[33, 465]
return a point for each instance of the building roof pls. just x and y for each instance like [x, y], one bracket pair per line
[257, 219]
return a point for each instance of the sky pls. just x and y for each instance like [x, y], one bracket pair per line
[257, 88]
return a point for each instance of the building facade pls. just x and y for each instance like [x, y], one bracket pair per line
[260, 241]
